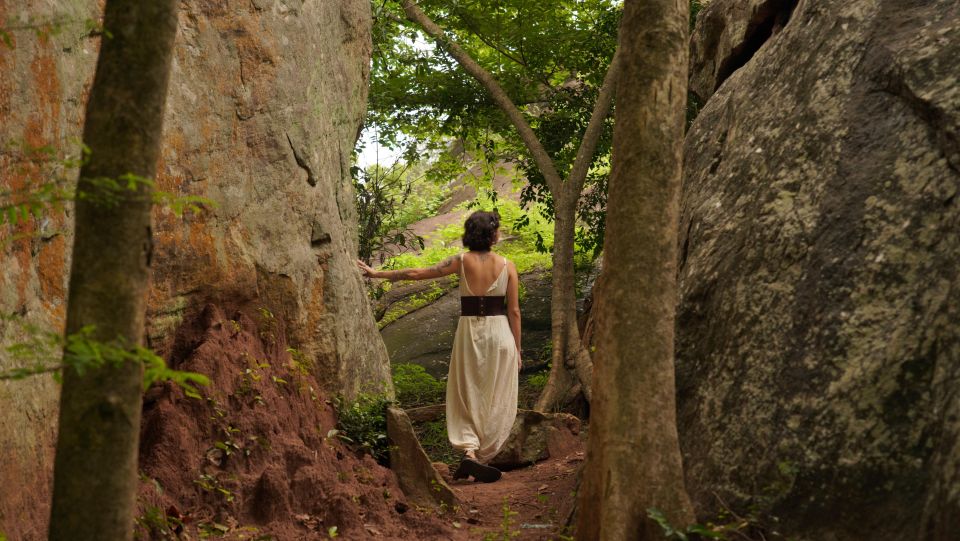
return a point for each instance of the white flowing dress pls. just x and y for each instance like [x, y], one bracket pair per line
[483, 377]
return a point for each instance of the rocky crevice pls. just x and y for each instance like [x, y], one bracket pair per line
[302, 163]
[768, 19]
[729, 33]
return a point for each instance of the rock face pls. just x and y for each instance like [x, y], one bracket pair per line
[265, 101]
[818, 351]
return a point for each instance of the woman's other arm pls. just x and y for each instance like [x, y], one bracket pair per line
[449, 265]
[513, 305]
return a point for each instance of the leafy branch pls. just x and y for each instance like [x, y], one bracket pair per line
[39, 196]
[82, 352]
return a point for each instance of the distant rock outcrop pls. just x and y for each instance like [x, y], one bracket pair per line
[265, 101]
[818, 351]
[424, 333]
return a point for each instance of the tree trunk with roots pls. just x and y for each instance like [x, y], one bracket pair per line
[95, 470]
[571, 368]
[633, 457]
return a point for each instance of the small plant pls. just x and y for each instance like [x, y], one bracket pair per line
[415, 387]
[212, 529]
[250, 376]
[363, 424]
[156, 523]
[300, 363]
[538, 381]
[211, 484]
[332, 532]
[507, 531]
[739, 528]
[268, 326]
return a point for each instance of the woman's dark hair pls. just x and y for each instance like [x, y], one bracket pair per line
[480, 229]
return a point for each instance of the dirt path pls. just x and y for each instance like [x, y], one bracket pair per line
[527, 504]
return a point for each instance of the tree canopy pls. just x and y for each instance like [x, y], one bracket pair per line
[550, 58]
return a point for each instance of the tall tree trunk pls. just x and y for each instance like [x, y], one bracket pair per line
[95, 471]
[565, 385]
[633, 461]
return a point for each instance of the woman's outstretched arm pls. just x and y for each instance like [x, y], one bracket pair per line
[449, 265]
[513, 305]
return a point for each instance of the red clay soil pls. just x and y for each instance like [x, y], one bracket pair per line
[251, 459]
[531, 503]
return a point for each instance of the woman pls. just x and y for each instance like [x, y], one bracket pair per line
[485, 362]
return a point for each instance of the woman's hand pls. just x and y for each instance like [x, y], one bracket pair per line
[367, 270]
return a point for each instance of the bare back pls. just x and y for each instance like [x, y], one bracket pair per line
[481, 270]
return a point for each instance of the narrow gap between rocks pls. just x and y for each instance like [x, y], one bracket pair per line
[768, 20]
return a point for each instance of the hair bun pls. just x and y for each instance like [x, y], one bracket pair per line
[480, 229]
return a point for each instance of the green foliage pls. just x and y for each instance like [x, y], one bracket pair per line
[538, 381]
[48, 185]
[156, 523]
[362, 423]
[526, 238]
[695, 7]
[693, 103]
[432, 436]
[382, 195]
[208, 529]
[550, 58]
[725, 527]
[300, 363]
[533, 48]
[82, 351]
[212, 484]
[415, 387]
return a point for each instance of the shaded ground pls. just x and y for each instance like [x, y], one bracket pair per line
[531, 503]
[255, 458]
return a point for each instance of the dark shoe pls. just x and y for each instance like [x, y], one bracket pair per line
[480, 472]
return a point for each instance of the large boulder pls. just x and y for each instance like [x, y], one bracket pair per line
[537, 436]
[817, 347]
[265, 101]
[727, 36]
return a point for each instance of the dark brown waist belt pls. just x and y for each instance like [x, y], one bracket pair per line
[483, 306]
